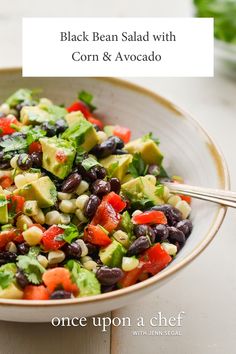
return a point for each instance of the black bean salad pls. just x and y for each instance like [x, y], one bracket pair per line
[82, 207]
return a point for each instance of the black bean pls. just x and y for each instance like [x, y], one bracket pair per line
[153, 170]
[100, 187]
[36, 158]
[24, 162]
[23, 248]
[6, 257]
[49, 128]
[185, 226]
[109, 276]
[73, 250]
[91, 206]
[100, 171]
[61, 125]
[107, 289]
[21, 278]
[139, 245]
[115, 185]
[144, 230]
[71, 183]
[89, 176]
[4, 165]
[92, 249]
[176, 235]
[120, 152]
[60, 294]
[106, 148]
[172, 214]
[119, 143]
[161, 232]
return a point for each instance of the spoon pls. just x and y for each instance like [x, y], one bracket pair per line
[227, 198]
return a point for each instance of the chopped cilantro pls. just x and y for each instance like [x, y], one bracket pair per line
[19, 96]
[87, 98]
[7, 274]
[126, 223]
[159, 190]
[150, 136]
[163, 173]
[70, 233]
[89, 163]
[3, 201]
[34, 134]
[31, 267]
[13, 143]
[137, 167]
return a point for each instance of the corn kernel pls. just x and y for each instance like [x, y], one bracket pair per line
[122, 237]
[23, 221]
[81, 201]
[173, 200]
[31, 207]
[42, 260]
[33, 235]
[83, 187]
[83, 246]
[64, 196]
[129, 263]
[67, 206]
[55, 257]
[20, 180]
[169, 248]
[39, 217]
[101, 137]
[80, 216]
[53, 218]
[184, 208]
[65, 219]
[90, 265]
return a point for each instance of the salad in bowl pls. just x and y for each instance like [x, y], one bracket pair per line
[83, 209]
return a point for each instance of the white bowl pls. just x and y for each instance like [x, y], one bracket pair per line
[190, 153]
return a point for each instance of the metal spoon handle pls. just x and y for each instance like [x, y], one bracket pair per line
[227, 198]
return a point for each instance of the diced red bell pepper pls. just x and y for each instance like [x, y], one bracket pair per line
[35, 147]
[96, 121]
[95, 235]
[61, 156]
[122, 132]
[155, 259]
[106, 216]
[57, 278]
[35, 292]
[49, 240]
[9, 235]
[131, 277]
[16, 203]
[187, 198]
[5, 125]
[6, 181]
[79, 106]
[150, 217]
[116, 201]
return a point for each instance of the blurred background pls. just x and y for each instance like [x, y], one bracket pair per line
[206, 289]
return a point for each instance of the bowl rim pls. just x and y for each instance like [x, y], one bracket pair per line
[223, 175]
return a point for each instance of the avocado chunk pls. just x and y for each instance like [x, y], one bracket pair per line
[58, 156]
[41, 113]
[33, 115]
[42, 190]
[141, 192]
[148, 149]
[108, 129]
[112, 255]
[87, 283]
[85, 279]
[82, 134]
[74, 117]
[117, 165]
[3, 209]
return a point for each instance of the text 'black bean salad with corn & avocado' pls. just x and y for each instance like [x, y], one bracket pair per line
[82, 208]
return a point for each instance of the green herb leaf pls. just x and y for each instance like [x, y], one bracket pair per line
[19, 96]
[163, 173]
[70, 233]
[150, 136]
[126, 223]
[159, 190]
[137, 167]
[34, 134]
[31, 267]
[87, 98]
[89, 163]
[13, 144]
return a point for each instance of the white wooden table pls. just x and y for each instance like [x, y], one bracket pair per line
[206, 289]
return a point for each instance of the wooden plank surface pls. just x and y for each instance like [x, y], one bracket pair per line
[38, 338]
